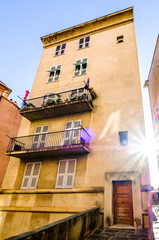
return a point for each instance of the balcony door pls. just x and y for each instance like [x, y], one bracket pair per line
[40, 136]
[72, 132]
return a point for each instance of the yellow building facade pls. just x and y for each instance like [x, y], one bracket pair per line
[78, 146]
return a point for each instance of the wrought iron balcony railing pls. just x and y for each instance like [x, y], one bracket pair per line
[46, 106]
[55, 142]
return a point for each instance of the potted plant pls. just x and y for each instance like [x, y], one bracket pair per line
[84, 96]
[29, 106]
[50, 102]
[58, 98]
[93, 93]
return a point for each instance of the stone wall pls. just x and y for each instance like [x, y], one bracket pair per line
[75, 227]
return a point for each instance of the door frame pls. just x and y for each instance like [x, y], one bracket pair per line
[133, 176]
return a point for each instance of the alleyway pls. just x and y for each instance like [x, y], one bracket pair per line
[119, 234]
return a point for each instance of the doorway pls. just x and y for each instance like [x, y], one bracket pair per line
[122, 202]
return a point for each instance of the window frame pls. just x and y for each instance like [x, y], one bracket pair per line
[31, 176]
[84, 43]
[120, 39]
[65, 175]
[81, 63]
[60, 50]
[57, 68]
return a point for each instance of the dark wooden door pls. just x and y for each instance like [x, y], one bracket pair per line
[123, 206]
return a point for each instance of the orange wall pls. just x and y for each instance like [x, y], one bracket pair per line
[10, 120]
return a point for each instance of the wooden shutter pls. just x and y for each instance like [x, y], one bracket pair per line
[66, 174]
[76, 132]
[38, 139]
[61, 174]
[68, 134]
[35, 175]
[70, 174]
[31, 175]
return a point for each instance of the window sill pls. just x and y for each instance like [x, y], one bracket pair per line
[80, 75]
[83, 48]
[59, 55]
[53, 81]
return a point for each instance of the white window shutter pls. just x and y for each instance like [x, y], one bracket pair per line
[35, 175]
[76, 132]
[70, 175]
[68, 134]
[66, 174]
[31, 175]
[27, 173]
[61, 174]
[38, 139]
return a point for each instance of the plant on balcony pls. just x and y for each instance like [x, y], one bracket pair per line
[66, 100]
[93, 93]
[84, 96]
[73, 96]
[50, 102]
[29, 106]
[58, 100]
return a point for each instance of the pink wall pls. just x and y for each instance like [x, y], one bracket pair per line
[10, 120]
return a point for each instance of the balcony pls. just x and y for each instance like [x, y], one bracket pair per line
[58, 104]
[48, 144]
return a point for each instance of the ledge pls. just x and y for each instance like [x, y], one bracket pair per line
[63, 210]
[112, 20]
[54, 191]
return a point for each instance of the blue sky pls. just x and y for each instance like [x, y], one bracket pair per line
[23, 22]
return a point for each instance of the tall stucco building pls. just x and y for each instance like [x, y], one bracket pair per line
[10, 120]
[153, 88]
[79, 143]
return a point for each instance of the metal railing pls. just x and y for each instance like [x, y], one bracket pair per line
[57, 98]
[46, 140]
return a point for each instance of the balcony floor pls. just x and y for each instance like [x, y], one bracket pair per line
[57, 110]
[51, 151]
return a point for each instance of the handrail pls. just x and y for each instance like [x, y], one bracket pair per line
[46, 140]
[57, 98]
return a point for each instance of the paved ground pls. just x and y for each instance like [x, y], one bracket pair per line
[119, 234]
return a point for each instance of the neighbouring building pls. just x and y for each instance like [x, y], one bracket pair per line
[153, 88]
[10, 120]
[78, 146]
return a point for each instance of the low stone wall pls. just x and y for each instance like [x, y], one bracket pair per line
[75, 227]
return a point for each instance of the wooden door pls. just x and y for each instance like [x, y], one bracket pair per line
[123, 205]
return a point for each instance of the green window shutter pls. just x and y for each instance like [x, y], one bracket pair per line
[84, 60]
[58, 67]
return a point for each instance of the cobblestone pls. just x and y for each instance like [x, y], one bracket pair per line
[119, 234]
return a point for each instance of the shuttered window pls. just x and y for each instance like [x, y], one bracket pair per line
[66, 174]
[39, 138]
[54, 73]
[72, 133]
[31, 175]
[80, 67]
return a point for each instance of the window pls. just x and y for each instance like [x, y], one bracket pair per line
[39, 138]
[123, 138]
[120, 39]
[54, 73]
[84, 42]
[60, 49]
[72, 133]
[66, 174]
[31, 175]
[80, 67]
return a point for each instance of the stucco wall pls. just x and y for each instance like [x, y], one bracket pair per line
[10, 120]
